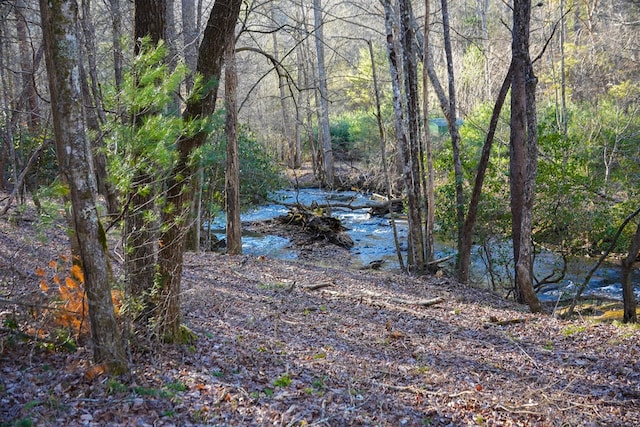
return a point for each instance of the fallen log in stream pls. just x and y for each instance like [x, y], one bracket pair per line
[319, 226]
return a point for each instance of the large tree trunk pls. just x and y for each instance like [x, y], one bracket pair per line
[523, 155]
[219, 30]
[62, 52]
[628, 296]
[232, 186]
[327, 151]
[139, 235]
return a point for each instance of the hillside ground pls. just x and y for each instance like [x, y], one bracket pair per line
[310, 342]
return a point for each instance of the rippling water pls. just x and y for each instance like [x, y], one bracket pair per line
[373, 237]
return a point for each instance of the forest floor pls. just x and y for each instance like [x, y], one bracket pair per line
[311, 342]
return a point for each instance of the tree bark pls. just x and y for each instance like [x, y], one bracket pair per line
[523, 155]
[232, 186]
[453, 125]
[139, 235]
[327, 151]
[464, 249]
[29, 96]
[62, 50]
[411, 161]
[190, 39]
[219, 30]
[116, 30]
[430, 181]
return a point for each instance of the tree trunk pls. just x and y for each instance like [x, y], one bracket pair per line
[383, 155]
[8, 122]
[190, 39]
[464, 248]
[62, 50]
[232, 186]
[453, 125]
[29, 96]
[523, 155]
[327, 151]
[139, 234]
[94, 112]
[411, 160]
[219, 30]
[430, 183]
[116, 30]
[628, 296]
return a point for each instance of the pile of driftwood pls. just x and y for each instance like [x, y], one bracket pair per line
[319, 225]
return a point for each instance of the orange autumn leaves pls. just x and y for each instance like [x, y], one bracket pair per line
[70, 299]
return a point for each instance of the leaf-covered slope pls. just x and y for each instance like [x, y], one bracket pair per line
[293, 343]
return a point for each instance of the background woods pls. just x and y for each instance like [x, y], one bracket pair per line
[494, 145]
[523, 128]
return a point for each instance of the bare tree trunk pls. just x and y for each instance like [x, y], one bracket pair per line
[8, 123]
[327, 151]
[453, 125]
[95, 113]
[383, 154]
[412, 162]
[297, 161]
[286, 125]
[523, 155]
[62, 52]
[430, 182]
[217, 34]
[464, 250]
[190, 39]
[29, 96]
[232, 186]
[116, 29]
[628, 296]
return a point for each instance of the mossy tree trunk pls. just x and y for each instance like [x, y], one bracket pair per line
[62, 53]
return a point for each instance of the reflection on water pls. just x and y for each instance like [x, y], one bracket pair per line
[373, 237]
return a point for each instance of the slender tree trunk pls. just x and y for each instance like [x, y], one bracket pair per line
[327, 151]
[232, 186]
[464, 251]
[217, 35]
[62, 52]
[286, 125]
[412, 161]
[383, 154]
[453, 125]
[430, 183]
[297, 161]
[190, 39]
[116, 32]
[628, 296]
[95, 113]
[8, 114]
[27, 69]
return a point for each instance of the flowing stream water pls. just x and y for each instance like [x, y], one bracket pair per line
[373, 237]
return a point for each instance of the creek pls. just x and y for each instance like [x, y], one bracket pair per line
[373, 237]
